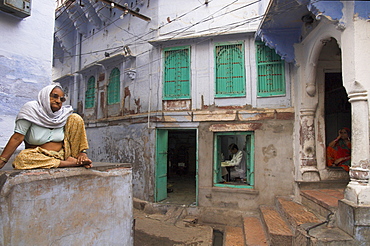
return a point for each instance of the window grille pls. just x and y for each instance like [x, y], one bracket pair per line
[176, 73]
[90, 93]
[114, 87]
[230, 71]
[270, 69]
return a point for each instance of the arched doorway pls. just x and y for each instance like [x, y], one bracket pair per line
[336, 107]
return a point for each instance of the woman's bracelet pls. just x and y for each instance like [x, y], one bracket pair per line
[3, 159]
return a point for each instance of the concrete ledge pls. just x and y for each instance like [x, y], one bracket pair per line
[67, 206]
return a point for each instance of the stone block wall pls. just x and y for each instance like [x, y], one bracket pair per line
[67, 206]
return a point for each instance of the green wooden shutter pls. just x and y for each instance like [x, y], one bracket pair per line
[176, 73]
[230, 75]
[90, 93]
[270, 69]
[114, 87]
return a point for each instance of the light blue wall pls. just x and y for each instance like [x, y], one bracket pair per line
[25, 60]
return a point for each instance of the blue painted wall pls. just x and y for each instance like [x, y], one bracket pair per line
[25, 60]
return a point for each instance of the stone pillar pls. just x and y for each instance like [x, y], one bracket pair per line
[307, 145]
[358, 189]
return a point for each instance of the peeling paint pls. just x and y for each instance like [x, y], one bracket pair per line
[127, 92]
[138, 105]
[269, 152]
[235, 127]
[177, 105]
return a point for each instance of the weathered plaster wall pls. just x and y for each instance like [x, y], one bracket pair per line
[72, 206]
[213, 17]
[127, 143]
[274, 171]
[120, 132]
[25, 60]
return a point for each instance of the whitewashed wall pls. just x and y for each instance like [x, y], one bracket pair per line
[25, 60]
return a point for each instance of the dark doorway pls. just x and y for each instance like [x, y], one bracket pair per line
[337, 107]
[181, 167]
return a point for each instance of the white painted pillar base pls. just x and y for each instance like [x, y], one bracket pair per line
[308, 151]
[358, 190]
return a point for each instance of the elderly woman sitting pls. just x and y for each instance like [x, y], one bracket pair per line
[54, 136]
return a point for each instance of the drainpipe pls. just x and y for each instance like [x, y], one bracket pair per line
[150, 96]
[319, 224]
[150, 99]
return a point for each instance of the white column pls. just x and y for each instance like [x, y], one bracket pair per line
[358, 189]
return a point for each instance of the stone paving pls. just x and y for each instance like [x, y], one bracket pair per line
[160, 229]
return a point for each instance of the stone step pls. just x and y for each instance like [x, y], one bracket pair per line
[277, 230]
[254, 232]
[233, 236]
[322, 201]
[309, 228]
[325, 236]
[296, 213]
[340, 183]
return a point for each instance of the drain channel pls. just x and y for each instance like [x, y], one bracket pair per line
[218, 238]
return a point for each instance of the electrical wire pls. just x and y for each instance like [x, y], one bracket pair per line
[181, 30]
[113, 22]
[227, 28]
[237, 24]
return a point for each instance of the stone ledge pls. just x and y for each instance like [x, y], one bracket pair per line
[67, 206]
[236, 190]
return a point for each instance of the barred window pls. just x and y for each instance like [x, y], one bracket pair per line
[114, 87]
[90, 93]
[176, 83]
[270, 70]
[230, 71]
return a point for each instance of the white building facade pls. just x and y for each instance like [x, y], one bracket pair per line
[169, 86]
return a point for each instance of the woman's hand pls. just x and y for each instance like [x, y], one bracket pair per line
[339, 160]
[83, 160]
[2, 163]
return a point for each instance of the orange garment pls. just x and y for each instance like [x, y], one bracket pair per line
[339, 150]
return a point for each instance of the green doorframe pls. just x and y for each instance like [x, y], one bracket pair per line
[249, 142]
[161, 153]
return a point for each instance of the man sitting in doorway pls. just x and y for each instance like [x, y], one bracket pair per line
[238, 161]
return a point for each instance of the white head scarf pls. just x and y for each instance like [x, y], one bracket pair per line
[39, 112]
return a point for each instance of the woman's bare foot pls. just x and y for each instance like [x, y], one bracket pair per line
[73, 162]
[69, 162]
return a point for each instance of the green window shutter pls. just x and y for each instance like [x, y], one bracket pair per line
[176, 73]
[270, 69]
[90, 93]
[230, 75]
[114, 87]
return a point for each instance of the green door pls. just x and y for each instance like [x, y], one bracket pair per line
[161, 165]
